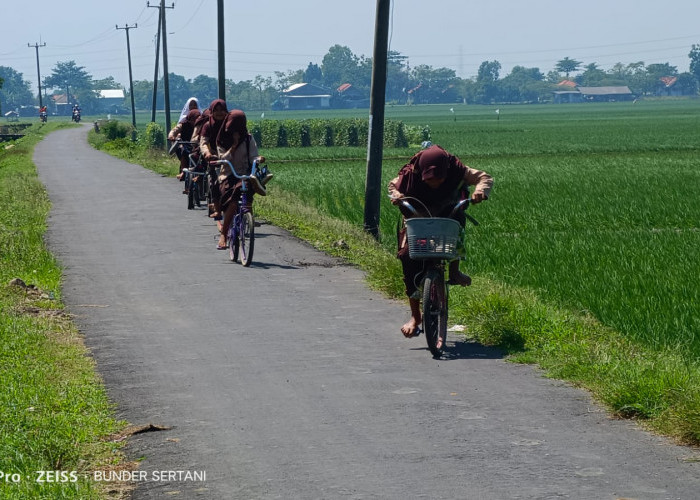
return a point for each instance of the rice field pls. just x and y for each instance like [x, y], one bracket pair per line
[595, 207]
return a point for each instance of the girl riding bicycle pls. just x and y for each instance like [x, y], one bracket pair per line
[437, 179]
[235, 144]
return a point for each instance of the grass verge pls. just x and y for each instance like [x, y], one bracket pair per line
[54, 411]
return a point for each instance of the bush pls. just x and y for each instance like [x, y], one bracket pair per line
[155, 136]
[114, 129]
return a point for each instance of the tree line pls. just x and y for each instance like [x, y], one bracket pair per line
[421, 84]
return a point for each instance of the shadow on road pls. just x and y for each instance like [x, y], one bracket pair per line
[466, 350]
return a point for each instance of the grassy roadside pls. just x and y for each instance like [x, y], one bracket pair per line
[660, 388]
[54, 411]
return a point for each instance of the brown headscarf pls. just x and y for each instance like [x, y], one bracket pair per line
[188, 124]
[236, 121]
[211, 128]
[433, 163]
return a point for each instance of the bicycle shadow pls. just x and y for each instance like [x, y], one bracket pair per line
[466, 349]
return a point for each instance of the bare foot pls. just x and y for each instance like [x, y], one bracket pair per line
[459, 278]
[410, 328]
[222, 242]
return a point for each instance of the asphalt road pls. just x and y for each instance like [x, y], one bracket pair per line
[290, 379]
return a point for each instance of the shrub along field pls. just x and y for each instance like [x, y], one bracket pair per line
[586, 258]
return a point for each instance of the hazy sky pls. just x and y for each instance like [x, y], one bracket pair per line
[264, 36]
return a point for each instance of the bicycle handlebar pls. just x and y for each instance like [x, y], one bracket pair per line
[461, 205]
[178, 142]
[233, 170]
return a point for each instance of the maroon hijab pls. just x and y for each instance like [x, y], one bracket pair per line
[211, 128]
[236, 121]
[189, 124]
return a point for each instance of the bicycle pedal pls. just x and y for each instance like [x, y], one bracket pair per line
[418, 331]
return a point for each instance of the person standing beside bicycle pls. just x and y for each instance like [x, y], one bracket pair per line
[235, 144]
[437, 180]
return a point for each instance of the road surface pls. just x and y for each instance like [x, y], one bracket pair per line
[290, 379]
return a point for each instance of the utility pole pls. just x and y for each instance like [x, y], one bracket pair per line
[166, 85]
[221, 53]
[38, 72]
[155, 74]
[131, 80]
[376, 119]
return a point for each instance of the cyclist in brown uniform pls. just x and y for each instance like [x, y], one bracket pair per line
[438, 180]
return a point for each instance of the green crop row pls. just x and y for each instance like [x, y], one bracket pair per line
[312, 132]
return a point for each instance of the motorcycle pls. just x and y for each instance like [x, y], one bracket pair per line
[76, 116]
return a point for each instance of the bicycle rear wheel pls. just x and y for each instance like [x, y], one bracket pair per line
[435, 311]
[247, 237]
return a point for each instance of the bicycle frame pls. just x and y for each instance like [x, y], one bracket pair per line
[243, 218]
[434, 286]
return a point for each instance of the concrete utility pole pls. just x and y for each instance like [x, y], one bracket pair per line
[155, 74]
[131, 79]
[38, 72]
[166, 83]
[373, 182]
[221, 52]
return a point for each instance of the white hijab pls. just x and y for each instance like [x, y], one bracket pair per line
[186, 109]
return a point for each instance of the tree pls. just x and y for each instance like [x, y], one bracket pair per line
[313, 74]
[14, 90]
[567, 66]
[592, 76]
[486, 80]
[206, 89]
[694, 56]
[72, 79]
[523, 85]
[105, 83]
[397, 79]
[285, 80]
[436, 85]
[339, 66]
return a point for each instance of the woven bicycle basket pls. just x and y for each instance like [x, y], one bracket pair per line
[432, 238]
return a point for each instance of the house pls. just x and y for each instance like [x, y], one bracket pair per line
[668, 87]
[305, 96]
[60, 104]
[348, 96]
[593, 94]
[111, 100]
[606, 94]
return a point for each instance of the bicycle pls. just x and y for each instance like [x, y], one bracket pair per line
[241, 233]
[435, 241]
[195, 186]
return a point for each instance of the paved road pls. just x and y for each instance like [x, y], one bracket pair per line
[290, 379]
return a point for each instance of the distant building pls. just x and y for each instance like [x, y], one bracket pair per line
[348, 96]
[668, 86]
[591, 94]
[606, 94]
[305, 96]
[111, 100]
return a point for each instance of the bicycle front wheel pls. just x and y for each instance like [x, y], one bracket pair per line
[247, 237]
[435, 311]
[233, 241]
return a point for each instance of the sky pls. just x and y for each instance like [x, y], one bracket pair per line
[264, 36]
